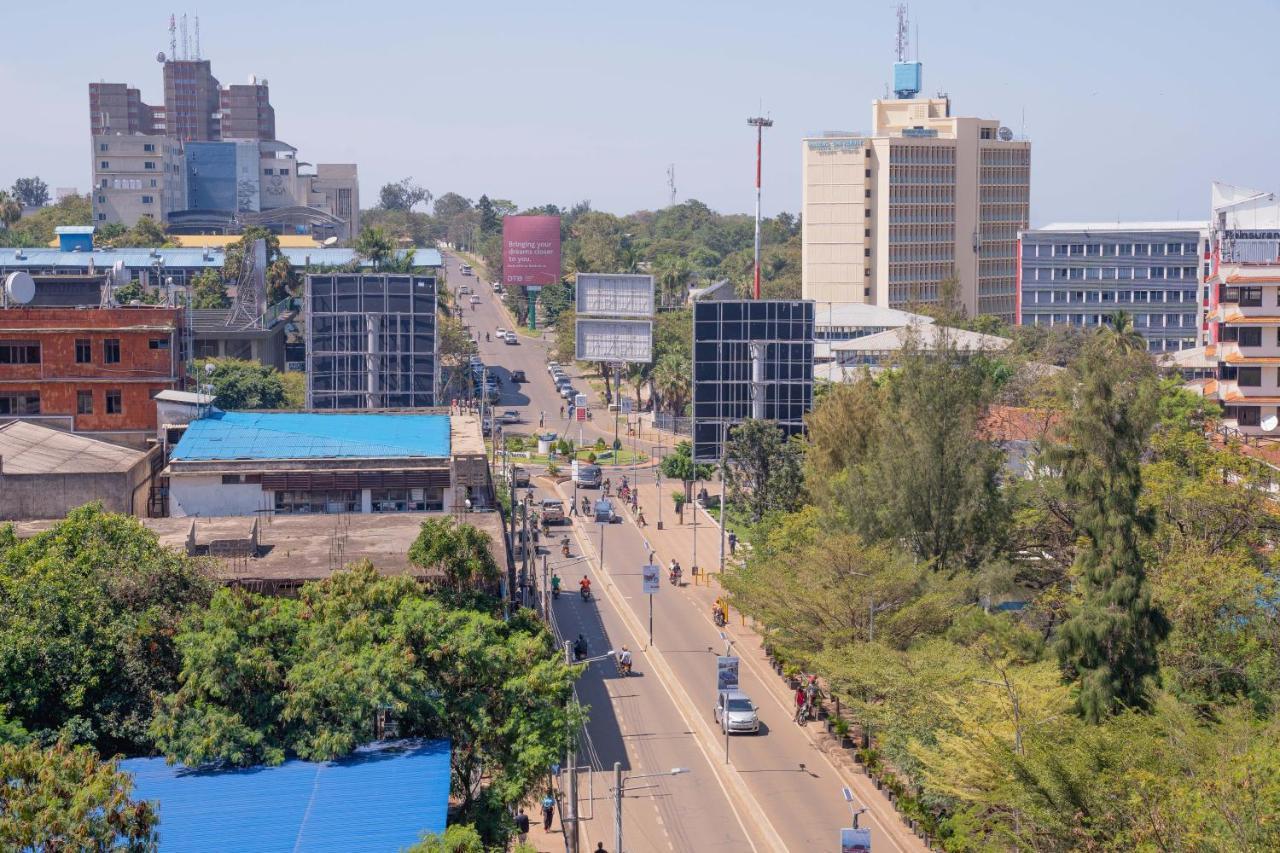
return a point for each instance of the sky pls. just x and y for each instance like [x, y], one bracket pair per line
[1133, 108]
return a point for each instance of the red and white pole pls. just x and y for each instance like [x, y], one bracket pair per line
[759, 124]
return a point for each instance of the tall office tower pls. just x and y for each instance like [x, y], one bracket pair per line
[118, 108]
[925, 209]
[192, 98]
[247, 112]
[1078, 274]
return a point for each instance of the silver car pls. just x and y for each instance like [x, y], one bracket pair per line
[736, 713]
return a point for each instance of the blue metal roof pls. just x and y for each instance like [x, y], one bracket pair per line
[74, 229]
[381, 798]
[286, 435]
[195, 258]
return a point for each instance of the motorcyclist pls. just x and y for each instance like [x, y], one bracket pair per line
[564, 546]
[674, 571]
[584, 587]
[555, 586]
[720, 611]
[812, 692]
[580, 647]
[624, 660]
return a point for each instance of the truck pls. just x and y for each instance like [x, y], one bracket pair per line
[553, 511]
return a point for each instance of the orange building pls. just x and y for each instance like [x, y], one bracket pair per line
[90, 370]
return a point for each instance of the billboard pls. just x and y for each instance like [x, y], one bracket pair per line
[628, 341]
[614, 295]
[726, 672]
[530, 250]
[855, 840]
[650, 579]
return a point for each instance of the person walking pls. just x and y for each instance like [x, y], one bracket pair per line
[542, 416]
[522, 826]
[733, 544]
[562, 413]
[548, 811]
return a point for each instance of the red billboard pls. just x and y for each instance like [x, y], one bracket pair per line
[530, 250]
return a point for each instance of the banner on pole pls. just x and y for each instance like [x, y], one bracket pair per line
[726, 672]
[651, 582]
[855, 841]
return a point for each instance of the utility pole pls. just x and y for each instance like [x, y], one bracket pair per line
[724, 468]
[759, 123]
[617, 806]
[570, 823]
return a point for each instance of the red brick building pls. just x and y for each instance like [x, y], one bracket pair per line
[92, 370]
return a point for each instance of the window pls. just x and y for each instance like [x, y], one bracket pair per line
[866, 232]
[114, 404]
[868, 212]
[305, 502]
[84, 351]
[102, 217]
[103, 164]
[868, 173]
[1125, 249]
[1174, 248]
[154, 184]
[149, 147]
[1108, 249]
[102, 199]
[158, 343]
[866, 253]
[149, 164]
[1077, 249]
[1155, 272]
[84, 402]
[868, 193]
[22, 403]
[1251, 297]
[284, 171]
[399, 500]
[268, 171]
[19, 352]
[1250, 336]
[111, 351]
[146, 199]
[1248, 416]
[102, 146]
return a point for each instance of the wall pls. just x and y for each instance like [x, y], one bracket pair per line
[211, 176]
[35, 496]
[205, 495]
[834, 219]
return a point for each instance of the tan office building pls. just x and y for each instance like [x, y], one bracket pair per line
[926, 198]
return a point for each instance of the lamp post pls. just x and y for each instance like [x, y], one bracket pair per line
[854, 812]
[619, 787]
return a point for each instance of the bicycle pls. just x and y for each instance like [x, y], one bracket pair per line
[802, 714]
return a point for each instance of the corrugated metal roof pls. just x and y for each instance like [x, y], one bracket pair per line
[73, 229]
[180, 257]
[28, 448]
[381, 798]
[286, 435]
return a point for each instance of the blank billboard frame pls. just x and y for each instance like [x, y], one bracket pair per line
[613, 295]
[615, 341]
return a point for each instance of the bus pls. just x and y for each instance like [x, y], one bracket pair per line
[465, 269]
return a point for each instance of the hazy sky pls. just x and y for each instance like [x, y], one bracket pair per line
[1132, 107]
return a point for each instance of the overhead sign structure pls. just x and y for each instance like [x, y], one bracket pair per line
[727, 672]
[615, 341]
[614, 295]
[650, 576]
[530, 250]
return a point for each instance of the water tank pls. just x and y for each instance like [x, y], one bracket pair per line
[907, 77]
[19, 288]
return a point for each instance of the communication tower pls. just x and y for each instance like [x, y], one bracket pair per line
[907, 76]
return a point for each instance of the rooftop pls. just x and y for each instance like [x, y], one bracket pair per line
[928, 337]
[1118, 225]
[279, 435]
[380, 798]
[189, 397]
[183, 257]
[28, 448]
[863, 314]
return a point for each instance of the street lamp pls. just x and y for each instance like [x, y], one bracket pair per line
[848, 798]
[619, 785]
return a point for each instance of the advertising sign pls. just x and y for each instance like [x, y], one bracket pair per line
[580, 413]
[614, 295]
[855, 841]
[626, 405]
[614, 340]
[573, 470]
[650, 575]
[726, 673]
[530, 250]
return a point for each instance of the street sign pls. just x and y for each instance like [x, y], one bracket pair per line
[580, 400]
[855, 840]
[626, 405]
[726, 672]
[651, 579]
[580, 413]
[573, 470]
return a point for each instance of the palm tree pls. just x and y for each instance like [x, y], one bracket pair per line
[1122, 337]
[673, 276]
[10, 210]
[672, 376]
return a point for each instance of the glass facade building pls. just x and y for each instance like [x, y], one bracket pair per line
[1078, 275]
[751, 359]
[371, 341]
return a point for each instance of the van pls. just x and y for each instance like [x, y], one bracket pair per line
[465, 269]
[589, 476]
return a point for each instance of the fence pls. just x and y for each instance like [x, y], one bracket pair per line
[670, 423]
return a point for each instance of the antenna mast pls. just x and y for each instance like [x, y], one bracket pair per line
[186, 42]
[904, 33]
[173, 38]
[759, 123]
[197, 36]
[671, 182]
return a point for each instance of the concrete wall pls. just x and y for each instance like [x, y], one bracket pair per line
[24, 497]
[205, 495]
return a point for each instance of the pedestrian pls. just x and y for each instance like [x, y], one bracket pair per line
[600, 848]
[522, 825]
[562, 412]
[542, 416]
[573, 507]
[640, 518]
[548, 810]
[733, 544]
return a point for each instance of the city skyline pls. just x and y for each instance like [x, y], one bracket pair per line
[621, 94]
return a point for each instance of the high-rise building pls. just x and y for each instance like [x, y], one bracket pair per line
[137, 177]
[1242, 312]
[1078, 274]
[116, 108]
[192, 97]
[246, 112]
[923, 210]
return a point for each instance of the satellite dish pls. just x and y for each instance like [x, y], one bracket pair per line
[329, 241]
[1270, 423]
[19, 288]
[1005, 134]
[160, 56]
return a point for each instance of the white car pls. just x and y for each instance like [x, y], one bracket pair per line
[464, 290]
[502, 333]
[553, 366]
[510, 338]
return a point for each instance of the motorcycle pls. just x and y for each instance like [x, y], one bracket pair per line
[717, 616]
[579, 650]
[674, 576]
[555, 592]
[624, 667]
[564, 546]
[585, 592]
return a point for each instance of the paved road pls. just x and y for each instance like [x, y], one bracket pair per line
[778, 789]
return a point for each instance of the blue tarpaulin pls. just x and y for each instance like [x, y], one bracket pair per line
[381, 798]
[254, 435]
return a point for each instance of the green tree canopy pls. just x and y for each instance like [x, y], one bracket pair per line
[208, 290]
[763, 469]
[241, 384]
[403, 195]
[30, 192]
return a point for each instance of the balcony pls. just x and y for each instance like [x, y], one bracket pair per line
[1231, 353]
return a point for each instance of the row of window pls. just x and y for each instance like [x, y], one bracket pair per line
[923, 154]
[148, 147]
[1006, 156]
[1062, 297]
[1147, 323]
[28, 403]
[1108, 250]
[28, 352]
[1111, 274]
[273, 171]
[1247, 336]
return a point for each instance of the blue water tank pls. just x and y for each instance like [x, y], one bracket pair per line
[907, 79]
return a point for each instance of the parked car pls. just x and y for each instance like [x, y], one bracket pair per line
[553, 366]
[568, 392]
[475, 300]
[518, 376]
[511, 338]
[502, 333]
[553, 511]
[497, 287]
[589, 476]
[519, 477]
[510, 416]
[464, 290]
[735, 712]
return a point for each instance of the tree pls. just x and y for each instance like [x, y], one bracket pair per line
[673, 379]
[1108, 644]
[489, 221]
[1123, 338]
[460, 552]
[64, 798]
[37, 228]
[208, 291]
[763, 469]
[841, 431]
[30, 192]
[376, 246]
[145, 233]
[86, 636]
[403, 195]
[240, 384]
[10, 209]
[455, 839]
[565, 346]
[679, 465]
[132, 292]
